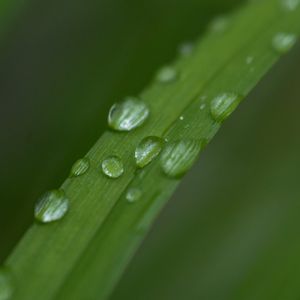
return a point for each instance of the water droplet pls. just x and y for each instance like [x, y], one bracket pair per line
[133, 195]
[52, 206]
[223, 105]
[186, 49]
[219, 24]
[181, 118]
[6, 287]
[147, 150]
[202, 106]
[290, 5]
[178, 157]
[249, 60]
[166, 75]
[112, 167]
[128, 115]
[283, 42]
[80, 167]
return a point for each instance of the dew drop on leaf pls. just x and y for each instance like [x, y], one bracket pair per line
[133, 195]
[147, 150]
[80, 167]
[166, 75]
[282, 42]
[52, 206]
[112, 167]
[178, 157]
[128, 115]
[6, 286]
[223, 105]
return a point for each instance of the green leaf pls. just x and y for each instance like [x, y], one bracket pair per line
[84, 254]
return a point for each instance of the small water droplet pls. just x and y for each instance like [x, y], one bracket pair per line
[290, 5]
[249, 60]
[178, 157]
[219, 24]
[112, 167]
[147, 150]
[80, 167]
[181, 118]
[186, 49]
[283, 42]
[6, 286]
[128, 114]
[166, 75]
[133, 195]
[52, 206]
[202, 106]
[223, 105]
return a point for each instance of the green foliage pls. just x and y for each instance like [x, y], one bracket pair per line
[84, 254]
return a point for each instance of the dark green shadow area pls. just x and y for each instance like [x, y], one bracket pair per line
[231, 232]
[62, 65]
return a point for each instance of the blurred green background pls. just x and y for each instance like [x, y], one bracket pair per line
[232, 229]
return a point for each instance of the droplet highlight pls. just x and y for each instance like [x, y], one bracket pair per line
[113, 167]
[147, 150]
[80, 167]
[52, 206]
[282, 42]
[166, 75]
[223, 105]
[6, 286]
[133, 195]
[128, 115]
[178, 157]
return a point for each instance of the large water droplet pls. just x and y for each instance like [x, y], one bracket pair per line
[290, 5]
[283, 42]
[6, 287]
[128, 115]
[223, 105]
[167, 74]
[52, 206]
[112, 167]
[133, 195]
[147, 150]
[80, 167]
[178, 157]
